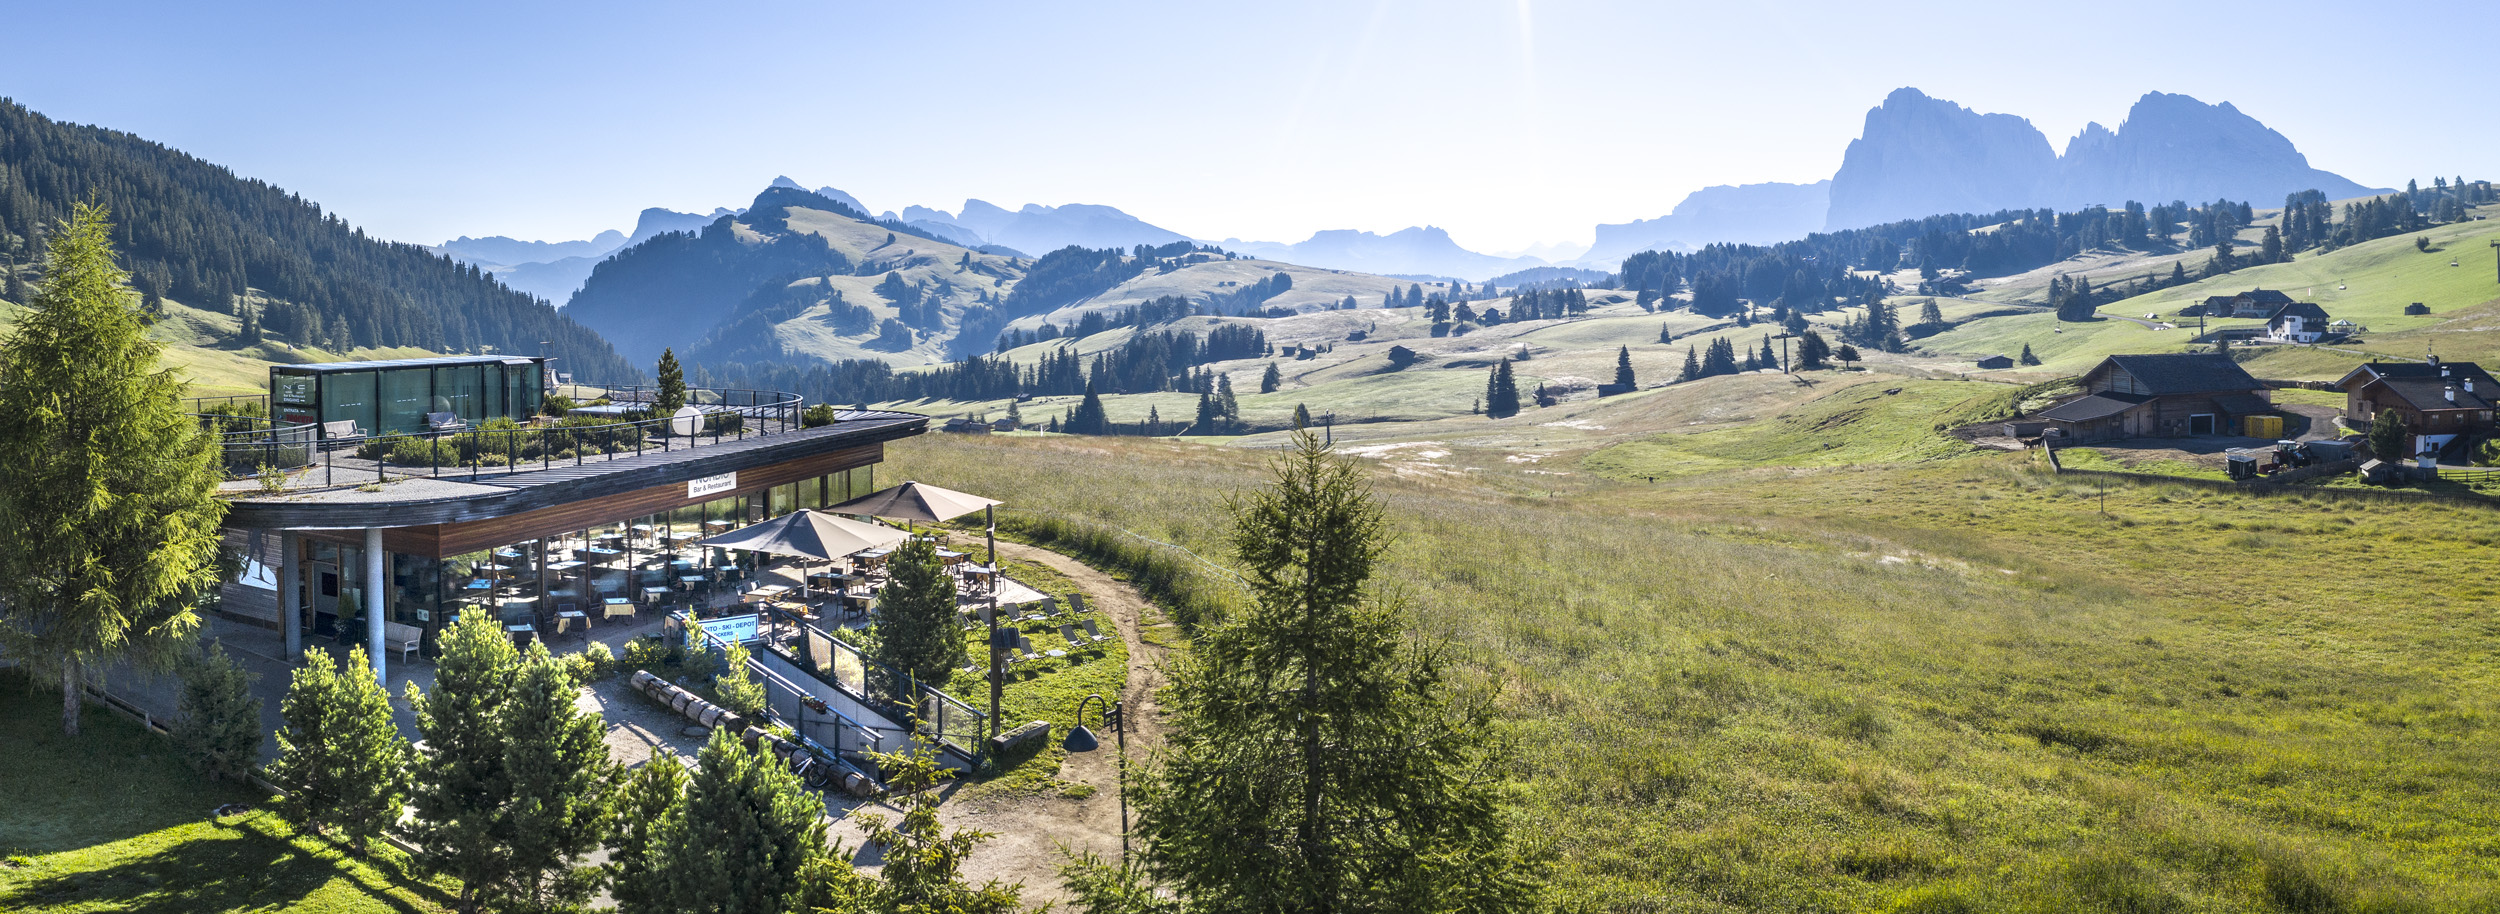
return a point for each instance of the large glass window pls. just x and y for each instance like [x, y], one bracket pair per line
[785, 499]
[407, 395]
[521, 390]
[349, 395]
[812, 492]
[461, 389]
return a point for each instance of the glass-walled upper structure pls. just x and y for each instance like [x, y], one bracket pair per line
[394, 396]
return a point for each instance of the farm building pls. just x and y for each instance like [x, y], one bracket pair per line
[2166, 395]
[1996, 361]
[2440, 402]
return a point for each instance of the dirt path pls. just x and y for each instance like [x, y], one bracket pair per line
[1029, 829]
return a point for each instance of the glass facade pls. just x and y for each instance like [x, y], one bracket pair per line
[393, 398]
[650, 560]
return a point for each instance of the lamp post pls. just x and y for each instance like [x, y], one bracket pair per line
[1082, 740]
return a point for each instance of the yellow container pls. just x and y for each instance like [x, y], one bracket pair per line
[2262, 426]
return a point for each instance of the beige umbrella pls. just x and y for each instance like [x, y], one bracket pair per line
[915, 502]
[809, 534]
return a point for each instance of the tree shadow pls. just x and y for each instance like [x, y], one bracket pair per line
[240, 863]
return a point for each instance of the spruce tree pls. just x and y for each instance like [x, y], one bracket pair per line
[2027, 358]
[462, 785]
[1224, 399]
[2388, 439]
[1208, 415]
[742, 839]
[1271, 380]
[1301, 416]
[1930, 314]
[923, 869]
[1089, 418]
[917, 634]
[340, 757]
[1315, 760]
[1692, 366]
[1847, 353]
[646, 798]
[1501, 393]
[671, 394]
[1665, 335]
[736, 686]
[109, 521]
[556, 761]
[1623, 368]
[220, 717]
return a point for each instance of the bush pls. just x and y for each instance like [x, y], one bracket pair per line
[644, 653]
[220, 728]
[817, 416]
[426, 453]
[594, 663]
[736, 687]
[723, 423]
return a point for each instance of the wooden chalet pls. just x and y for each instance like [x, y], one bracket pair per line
[2440, 402]
[2158, 396]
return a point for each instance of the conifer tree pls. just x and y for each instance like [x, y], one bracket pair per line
[109, 519]
[340, 757]
[917, 635]
[1930, 314]
[2027, 358]
[1665, 336]
[1224, 400]
[1301, 416]
[1692, 366]
[646, 798]
[220, 727]
[1089, 418]
[671, 394]
[1623, 368]
[2388, 438]
[1847, 353]
[462, 785]
[1501, 393]
[736, 686]
[923, 861]
[1208, 415]
[1270, 381]
[556, 761]
[1316, 761]
[1813, 353]
[742, 839]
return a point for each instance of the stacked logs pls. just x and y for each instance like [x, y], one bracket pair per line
[718, 718]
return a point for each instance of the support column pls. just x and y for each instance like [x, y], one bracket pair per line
[377, 579]
[291, 593]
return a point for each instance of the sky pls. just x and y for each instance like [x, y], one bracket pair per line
[1509, 123]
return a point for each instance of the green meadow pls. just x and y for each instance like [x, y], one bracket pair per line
[1899, 675]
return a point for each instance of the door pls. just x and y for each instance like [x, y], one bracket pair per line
[325, 589]
[2201, 424]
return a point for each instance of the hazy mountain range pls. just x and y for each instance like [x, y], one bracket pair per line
[1916, 156]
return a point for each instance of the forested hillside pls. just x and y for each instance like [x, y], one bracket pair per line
[196, 233]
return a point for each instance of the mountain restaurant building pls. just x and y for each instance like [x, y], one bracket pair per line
[527, 522]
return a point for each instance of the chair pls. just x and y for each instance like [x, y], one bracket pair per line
[403, 637]
[342, 433]
[1027, 644]
[1076, 642]
[1047, 608]
[444, 422]
[1076, 603]
[1095, 633]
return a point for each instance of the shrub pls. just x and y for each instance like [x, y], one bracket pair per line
[594, 663]
[644, 653]
[736, 687]
[723, 423]
[220, 728]
[817, 416]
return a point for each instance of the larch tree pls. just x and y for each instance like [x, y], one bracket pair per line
[108, 524]
[1317, 760]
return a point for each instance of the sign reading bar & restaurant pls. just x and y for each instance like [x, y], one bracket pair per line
[711, 485]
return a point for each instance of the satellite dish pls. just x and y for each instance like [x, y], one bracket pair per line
[685, 421]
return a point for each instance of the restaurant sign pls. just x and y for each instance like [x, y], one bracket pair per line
[711, 485]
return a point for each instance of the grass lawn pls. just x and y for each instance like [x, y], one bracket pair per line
[1875, 421]
[1937, 683]
[115, 821]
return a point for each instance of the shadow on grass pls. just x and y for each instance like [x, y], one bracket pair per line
[245, 863]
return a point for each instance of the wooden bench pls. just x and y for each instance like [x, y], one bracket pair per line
[402, 636]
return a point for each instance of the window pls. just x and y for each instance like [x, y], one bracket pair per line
[407, 394]
[521, 390]
[349, 395]
[460, 390]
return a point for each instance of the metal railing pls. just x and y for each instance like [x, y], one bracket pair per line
[286, 457]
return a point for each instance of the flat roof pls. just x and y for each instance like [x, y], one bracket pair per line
[444, 361]
[423, 500]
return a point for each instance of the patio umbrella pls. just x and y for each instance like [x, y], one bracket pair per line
[915, 502]
[808, 534]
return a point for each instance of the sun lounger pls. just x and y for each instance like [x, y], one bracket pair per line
[1095, 633]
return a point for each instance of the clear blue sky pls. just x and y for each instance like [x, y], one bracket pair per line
[1508, 122]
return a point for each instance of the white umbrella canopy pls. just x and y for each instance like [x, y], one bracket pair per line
[809, 534]
[915, 501]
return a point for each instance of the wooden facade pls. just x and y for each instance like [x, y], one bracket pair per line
[443, 540]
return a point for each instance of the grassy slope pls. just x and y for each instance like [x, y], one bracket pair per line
[1853, 687]
[113, 821]
[201, 345]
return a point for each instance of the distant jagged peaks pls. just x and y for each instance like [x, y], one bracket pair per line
[1423, 250]
[1041, 229]
[1920, 156]
[1745, 214]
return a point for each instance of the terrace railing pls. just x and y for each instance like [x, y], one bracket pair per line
[285, 457]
